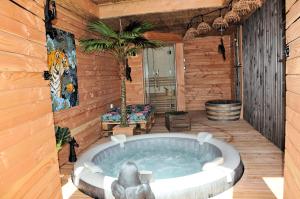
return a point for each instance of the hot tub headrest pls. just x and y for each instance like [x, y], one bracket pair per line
[204, 137]
[93, 167]
[213, 164]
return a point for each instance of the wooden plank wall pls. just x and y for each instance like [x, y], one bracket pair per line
[207, 75]
[99, 86]
[264, 71]
[28, 166]
[292, 146]
[135, 93]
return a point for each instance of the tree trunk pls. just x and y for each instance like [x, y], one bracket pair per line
[124, 122]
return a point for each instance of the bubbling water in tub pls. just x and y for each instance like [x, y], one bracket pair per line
[164, 159]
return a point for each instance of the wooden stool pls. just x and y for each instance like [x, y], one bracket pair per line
[178, 121]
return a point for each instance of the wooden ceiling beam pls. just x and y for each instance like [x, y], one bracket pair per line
[84, 8]
[165, 37]
[141, 7]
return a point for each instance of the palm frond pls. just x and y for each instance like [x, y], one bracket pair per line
[142, 42]
[129, 35]
[92, 45]
[132, 25]
[146, 27]
[123, 43]
[103, 29]
[132, 51]
[138, 27]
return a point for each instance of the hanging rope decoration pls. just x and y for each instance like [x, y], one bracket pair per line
[191, 33]
[253, 4]
[241, 7]
[235, 10]
[232, 17]
[203, 27]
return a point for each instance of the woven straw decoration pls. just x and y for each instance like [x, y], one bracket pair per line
[220, 23]
[203, 28]
[241, 7]
[253, 4]
[191, 33]
[232, 17]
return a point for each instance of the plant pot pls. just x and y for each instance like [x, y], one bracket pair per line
[128, 131]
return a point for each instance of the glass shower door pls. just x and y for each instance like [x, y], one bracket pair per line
[160, 78]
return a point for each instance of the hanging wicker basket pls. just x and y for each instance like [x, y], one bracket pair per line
[191, 33]
[203, 28]
[253, 4]
[232, 17]
[220, 23]
[241, 7]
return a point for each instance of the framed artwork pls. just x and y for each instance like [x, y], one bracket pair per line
[62, 65]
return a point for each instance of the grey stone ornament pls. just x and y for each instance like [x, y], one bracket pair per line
[129, 185]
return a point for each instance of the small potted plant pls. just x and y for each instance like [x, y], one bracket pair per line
[63, 136]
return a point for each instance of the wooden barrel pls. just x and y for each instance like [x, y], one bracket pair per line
[223, 110]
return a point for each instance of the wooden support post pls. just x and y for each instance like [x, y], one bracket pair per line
[242, 69]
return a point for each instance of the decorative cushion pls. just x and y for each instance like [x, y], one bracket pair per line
[135, 113]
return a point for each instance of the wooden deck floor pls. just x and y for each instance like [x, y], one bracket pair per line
[263, 161]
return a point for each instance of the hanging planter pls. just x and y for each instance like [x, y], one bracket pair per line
[220, 23]
[241, 7]
[191, 33]
[232, 17]
[253, 4]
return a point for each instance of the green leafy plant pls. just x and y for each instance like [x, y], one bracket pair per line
[63, 136]
[121, 44]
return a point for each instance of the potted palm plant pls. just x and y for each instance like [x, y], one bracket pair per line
[121, 44]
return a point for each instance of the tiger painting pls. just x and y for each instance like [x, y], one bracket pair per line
[62, 65]
[57, 64]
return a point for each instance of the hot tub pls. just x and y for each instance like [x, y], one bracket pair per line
[181, 164]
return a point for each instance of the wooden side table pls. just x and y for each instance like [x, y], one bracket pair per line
[178, 121]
